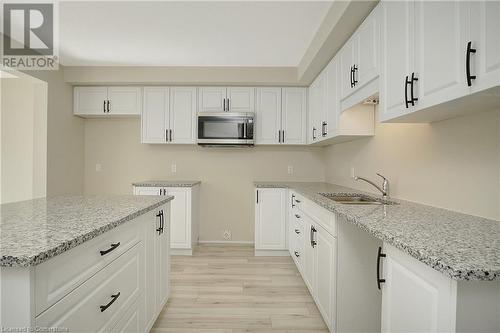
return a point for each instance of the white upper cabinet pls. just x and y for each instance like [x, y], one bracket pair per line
[90, 100]
[368, 49]
[293, 115]
[348, 67]
[270, 219]
[212, 99]
[155, 115]
[268, 116]
[434, 52]
[397, 56]
[182, 115]
[360, 58]
[125, 100]
[240, 99]
[169, 115]
[103, 101]
[317, 107]
[280, 116]
[329, 124]
[485, 40]
[439, 52]
[226, 99]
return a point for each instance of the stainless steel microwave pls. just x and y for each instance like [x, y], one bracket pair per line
[225, 129]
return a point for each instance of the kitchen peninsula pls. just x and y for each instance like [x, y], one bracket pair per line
[81, 263]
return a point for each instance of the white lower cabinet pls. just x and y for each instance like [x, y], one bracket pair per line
[270, 220]
[415, 297]
[122, 283]
[325, 273]
[183, 215]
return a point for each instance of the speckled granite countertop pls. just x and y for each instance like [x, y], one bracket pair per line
[167, 183]
[33, 231]
[462, 246]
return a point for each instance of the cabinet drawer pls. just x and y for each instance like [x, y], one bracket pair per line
[82, 310]
[61, 274]
[319, 215]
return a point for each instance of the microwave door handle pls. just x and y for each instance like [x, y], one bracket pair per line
[245, 125]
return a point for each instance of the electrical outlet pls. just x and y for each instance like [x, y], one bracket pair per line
[173, 168]
[226, 234]
[353, 174]
[290, 169]
[98, 167]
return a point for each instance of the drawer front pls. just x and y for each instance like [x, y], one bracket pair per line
[133, 319]
[58, 276]
[81, 310]
[319, 215]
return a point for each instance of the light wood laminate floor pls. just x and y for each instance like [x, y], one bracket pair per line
[226, 289]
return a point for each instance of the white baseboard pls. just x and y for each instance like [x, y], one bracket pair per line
[235, 243]
[181, 252]
[272, 253]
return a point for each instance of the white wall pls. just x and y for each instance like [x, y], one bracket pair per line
[64, 136]
[23, 112]
[453, 164]
[227, 175]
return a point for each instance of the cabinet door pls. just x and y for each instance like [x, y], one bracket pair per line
[125, 100]
[397, 56]
[241, 99]
[485, 27]
[347, 61]
[268, 116]
[368, 52]
[440, 47]
[89, 100]
[309, 262]
[317, 107]
[293, 115]
[415, 297]
[144, 190]
[270, 219]
[183, 114]
[163, 256]
[180, 218]
[211, 99]
[151, 268]
[332, 98]
[325, 274]
[155, 115]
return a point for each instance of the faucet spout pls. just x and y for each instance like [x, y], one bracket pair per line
[384, 189]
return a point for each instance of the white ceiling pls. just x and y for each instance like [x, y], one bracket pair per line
[188, 33]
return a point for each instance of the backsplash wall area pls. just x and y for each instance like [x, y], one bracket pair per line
[227, 174]
[452, 164]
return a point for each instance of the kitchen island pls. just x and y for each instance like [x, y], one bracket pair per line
[392, 264]
[81, 263]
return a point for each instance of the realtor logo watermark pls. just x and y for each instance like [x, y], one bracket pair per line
[29, 36]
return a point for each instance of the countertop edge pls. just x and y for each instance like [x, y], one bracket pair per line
[166, 183]
[427, 259]
[27, 262]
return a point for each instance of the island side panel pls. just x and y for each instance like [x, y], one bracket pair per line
[17, 295]
[478, 306]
